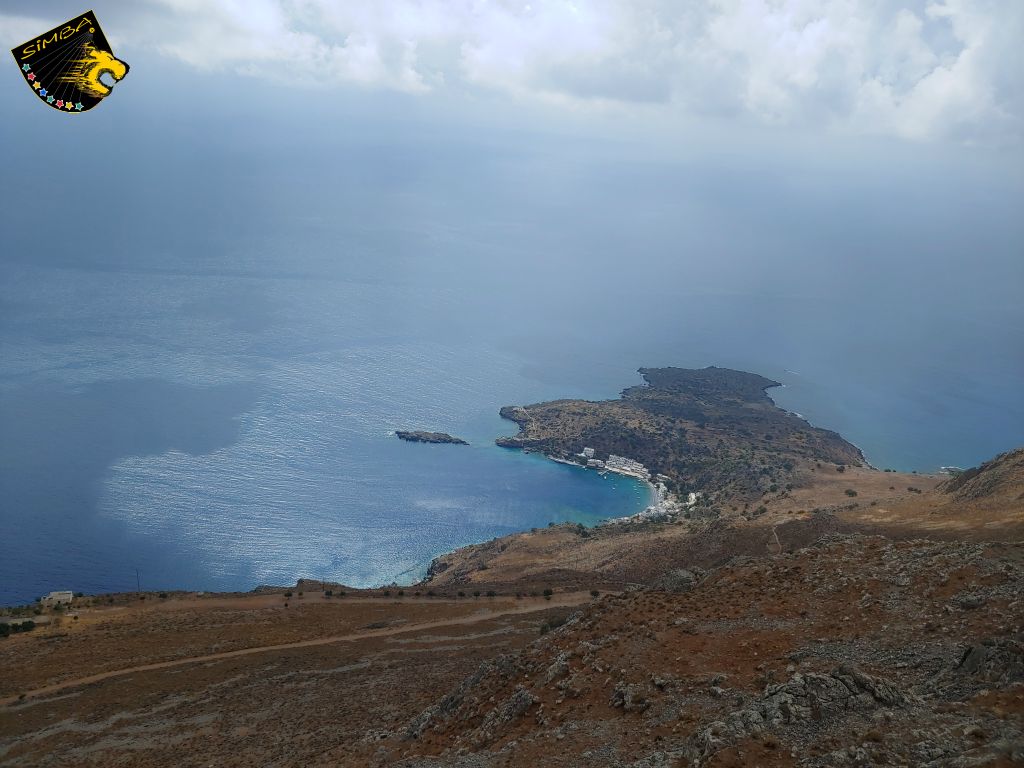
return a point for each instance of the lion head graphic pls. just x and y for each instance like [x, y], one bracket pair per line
[85, 72]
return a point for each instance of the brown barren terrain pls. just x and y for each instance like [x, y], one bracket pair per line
[855, 618]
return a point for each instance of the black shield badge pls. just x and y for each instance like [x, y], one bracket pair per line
[71, 67]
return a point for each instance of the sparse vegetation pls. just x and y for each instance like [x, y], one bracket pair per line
[552, 623]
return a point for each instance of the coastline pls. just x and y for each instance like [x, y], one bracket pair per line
[659, 500]
[420, 573]
[781, 385]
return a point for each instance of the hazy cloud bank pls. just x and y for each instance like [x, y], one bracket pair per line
[947, 69]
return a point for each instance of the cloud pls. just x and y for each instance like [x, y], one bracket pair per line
[922, 70]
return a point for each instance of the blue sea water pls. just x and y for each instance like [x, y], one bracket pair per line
[203, 382]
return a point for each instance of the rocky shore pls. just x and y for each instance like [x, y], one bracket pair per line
[430, 437]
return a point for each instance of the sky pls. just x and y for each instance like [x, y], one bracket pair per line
[942, 70]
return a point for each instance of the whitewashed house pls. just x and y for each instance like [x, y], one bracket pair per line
[58, 598]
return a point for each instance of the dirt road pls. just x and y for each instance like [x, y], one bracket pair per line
[566, 600]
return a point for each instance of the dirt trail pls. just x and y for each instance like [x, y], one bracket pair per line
[566, 601]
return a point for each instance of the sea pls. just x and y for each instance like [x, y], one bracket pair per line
[207, 342]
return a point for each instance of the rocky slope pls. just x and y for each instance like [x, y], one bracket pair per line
[854, 651]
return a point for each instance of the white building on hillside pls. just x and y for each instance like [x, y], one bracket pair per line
[58, 598]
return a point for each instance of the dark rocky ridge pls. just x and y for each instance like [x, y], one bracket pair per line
[430, 437]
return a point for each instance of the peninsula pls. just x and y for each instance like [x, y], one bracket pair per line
[430, 437]
[693, 429]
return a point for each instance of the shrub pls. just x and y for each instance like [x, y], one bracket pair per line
[491, 593]
[401, 593]
[328, 592]
[387, 593]
[850, 492]
[163, 595]
[430, 593]
[553, 623]
[548, 593]
[461, 593]
[594, 593]
[288, 593]
[476, 593]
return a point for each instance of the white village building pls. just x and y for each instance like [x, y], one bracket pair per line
[58, 598]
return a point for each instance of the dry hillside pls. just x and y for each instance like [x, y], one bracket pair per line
[884, 628]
